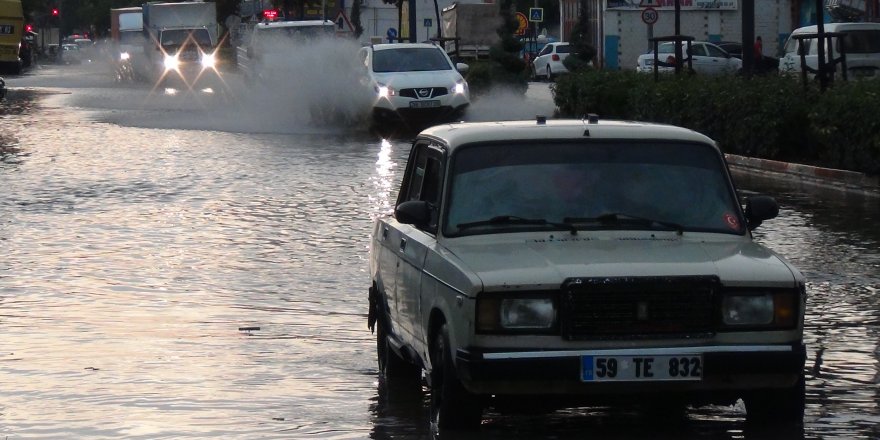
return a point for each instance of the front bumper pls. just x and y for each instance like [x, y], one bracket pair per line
[728, 372]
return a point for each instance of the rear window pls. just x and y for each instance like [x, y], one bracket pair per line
[563, 48]
[866, 41]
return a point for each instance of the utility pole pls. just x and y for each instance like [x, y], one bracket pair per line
[820, 30]
[678, 44]
[748, 37]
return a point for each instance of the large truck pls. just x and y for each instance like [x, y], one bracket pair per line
[181, 40]
[11, 27]
[127, 34]
[470, 29]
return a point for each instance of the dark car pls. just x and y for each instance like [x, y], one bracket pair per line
[768, 64]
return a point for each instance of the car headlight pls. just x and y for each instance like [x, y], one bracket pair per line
[171, 62]
[460, 88]
[208, 61]
[537, 313]
[384, 91]
[760, 310]
[124, 56]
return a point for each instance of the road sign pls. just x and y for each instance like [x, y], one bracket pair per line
[391, 33]
[429, 22]
[650, 15]
[342, 22]
[522, 23]
[536, 14]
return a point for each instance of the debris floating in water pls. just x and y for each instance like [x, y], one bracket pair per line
[248, 329]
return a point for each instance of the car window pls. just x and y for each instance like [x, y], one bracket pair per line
[547, 49]
[698, 50]
[563, 48]
[410, 59]
[684, 184]
[177, 37]
[715, 52]
[424, 180]
[862, 41]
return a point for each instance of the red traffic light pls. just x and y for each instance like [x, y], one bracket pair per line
[55, 12]
[28, 28]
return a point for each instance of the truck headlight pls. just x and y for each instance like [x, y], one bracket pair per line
[523, 313]
[208, 61]
[760, 310]
[124, 56]
[171, 62]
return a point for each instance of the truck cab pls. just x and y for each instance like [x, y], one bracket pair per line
[11, 27]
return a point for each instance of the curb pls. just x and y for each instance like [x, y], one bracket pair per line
[843, 180]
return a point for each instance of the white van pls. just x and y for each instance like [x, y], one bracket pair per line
[862, 41]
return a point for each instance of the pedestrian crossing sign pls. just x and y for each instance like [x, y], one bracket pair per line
[536, 14]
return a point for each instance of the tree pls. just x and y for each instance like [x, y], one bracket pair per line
[356, 18]
[582, 52]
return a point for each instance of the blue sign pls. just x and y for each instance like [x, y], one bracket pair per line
[392, 33]
[429, 22]
[536, 14]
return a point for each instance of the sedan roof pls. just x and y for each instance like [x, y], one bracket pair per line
[455, 135]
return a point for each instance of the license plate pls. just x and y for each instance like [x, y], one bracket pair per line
[424, 104]
[641, 368]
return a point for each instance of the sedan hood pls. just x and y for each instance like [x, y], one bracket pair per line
[545, 263]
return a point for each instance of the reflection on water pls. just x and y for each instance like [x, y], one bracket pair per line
[159, 283]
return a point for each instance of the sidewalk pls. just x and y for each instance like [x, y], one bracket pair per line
[842, 180]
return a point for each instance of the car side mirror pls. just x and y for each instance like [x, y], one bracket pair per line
[413, 212]
[462, 67]
[760, 208]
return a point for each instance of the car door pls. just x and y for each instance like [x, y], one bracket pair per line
[424, 182]
[699, 60]
[722, 62]
[542, 59]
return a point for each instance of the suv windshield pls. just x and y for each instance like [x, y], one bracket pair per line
[280, 38]
[178, 37]
[612, 185]
[409, 59]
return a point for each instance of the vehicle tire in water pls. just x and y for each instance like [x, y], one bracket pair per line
[783, 406]
[394, 370]
[452, 406]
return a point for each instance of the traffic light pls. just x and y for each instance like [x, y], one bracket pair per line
[55, 12]
[28, 27]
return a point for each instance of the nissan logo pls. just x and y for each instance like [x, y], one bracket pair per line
[424, 93]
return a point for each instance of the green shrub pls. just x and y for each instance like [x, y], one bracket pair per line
[770, 117]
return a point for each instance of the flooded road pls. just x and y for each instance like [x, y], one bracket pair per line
[196, 267]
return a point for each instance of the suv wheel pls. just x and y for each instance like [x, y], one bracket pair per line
[451, 405]
[396, 372]
[778, 406]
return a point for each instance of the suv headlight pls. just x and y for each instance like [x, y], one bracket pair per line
[385, 91]
[516, 314]
[777, 310]
[460, 87]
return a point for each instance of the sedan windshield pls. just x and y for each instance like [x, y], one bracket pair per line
[613, 185]
[410, 59]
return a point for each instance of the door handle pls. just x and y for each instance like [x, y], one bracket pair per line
[384, 233]
[402, 244]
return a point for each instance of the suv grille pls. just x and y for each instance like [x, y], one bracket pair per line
[424, 92]
[608, 308]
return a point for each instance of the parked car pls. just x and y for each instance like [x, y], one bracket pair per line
[707, 59]
[861, 40]
[551, 264]
[548, 63]
[767, 64]
[414, 82]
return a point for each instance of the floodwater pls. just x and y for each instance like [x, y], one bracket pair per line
[196, 267]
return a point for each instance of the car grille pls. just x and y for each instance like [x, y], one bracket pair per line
[424, 92]
[644, 307]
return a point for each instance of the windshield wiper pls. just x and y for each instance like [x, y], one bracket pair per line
[515, 220]
[617, 217]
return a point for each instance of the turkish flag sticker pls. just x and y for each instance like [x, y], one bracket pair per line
[731, 221]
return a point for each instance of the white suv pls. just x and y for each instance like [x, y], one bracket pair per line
[561, 263]
[414, 82]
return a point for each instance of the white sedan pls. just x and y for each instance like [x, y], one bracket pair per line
[548, 63]
[707, 59]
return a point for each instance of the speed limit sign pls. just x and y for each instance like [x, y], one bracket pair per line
[650, 15]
